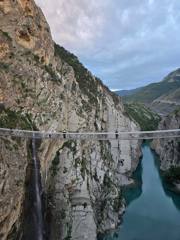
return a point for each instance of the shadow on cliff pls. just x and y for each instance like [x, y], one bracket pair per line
[133, 192]
[130, 193]
[29, 227]
[167, 188]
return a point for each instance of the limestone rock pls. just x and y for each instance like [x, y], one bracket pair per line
[13, 158]
[52, 90]
[168, 149]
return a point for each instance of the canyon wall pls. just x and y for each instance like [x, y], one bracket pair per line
[169, 151]
[45, 87]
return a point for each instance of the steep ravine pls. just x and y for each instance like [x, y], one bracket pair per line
[47, 88]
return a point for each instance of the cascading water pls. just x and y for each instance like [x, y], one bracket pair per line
[37, 201]
[33, 221]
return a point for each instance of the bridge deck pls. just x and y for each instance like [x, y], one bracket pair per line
[171, 133]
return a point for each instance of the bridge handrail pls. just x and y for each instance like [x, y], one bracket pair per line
[123, 135]
[90, 133]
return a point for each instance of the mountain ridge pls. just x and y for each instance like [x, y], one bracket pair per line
[162, 97]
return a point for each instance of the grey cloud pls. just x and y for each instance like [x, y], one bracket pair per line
[127, 43]
[75, 24]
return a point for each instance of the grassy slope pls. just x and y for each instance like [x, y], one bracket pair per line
[13, 119]
[147, 119]
[123, 93]
[87, 82]
[153, 91]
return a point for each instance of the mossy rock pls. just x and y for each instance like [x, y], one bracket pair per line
[15, 119]
[147, 120]
[172, 175]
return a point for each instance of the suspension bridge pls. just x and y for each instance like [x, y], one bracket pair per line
[113, 135]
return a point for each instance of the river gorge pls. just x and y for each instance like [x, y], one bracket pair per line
[153, 212]
[73, 188]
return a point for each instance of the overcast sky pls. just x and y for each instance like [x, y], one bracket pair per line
[127, 43]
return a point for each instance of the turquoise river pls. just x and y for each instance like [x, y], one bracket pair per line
[153, 212]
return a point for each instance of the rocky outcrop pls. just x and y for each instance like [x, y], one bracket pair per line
[13, 156]
[45, 87]
[169, 149]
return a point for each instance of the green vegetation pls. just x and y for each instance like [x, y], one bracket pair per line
[176, 112]
[55, 163]
[63, 213]
[82, 162]
[109, 189]
[13, 119]
[153, 91]
[172, 175]
[118, 202]
[31, 57]
[4, 66]
[173, 96]
[78, 161]
[107, 182]
[83, 167]
[86, 106]
[71, 145]
[69, 232]
[106, 153]
[51, 72]
[87, 83]
[147, 119]
[6, 34]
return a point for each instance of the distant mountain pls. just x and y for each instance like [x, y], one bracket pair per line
[123, 93]
[162, 97]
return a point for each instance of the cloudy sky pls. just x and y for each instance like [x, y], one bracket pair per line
[127, 43]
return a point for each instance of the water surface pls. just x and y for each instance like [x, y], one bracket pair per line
[153, 213]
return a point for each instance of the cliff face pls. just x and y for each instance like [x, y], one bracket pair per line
[169, 151]
[47, 88]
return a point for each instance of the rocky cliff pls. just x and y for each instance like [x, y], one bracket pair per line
[169, 149]
[45, 87]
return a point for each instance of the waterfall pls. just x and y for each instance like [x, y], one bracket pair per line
[37, 200]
